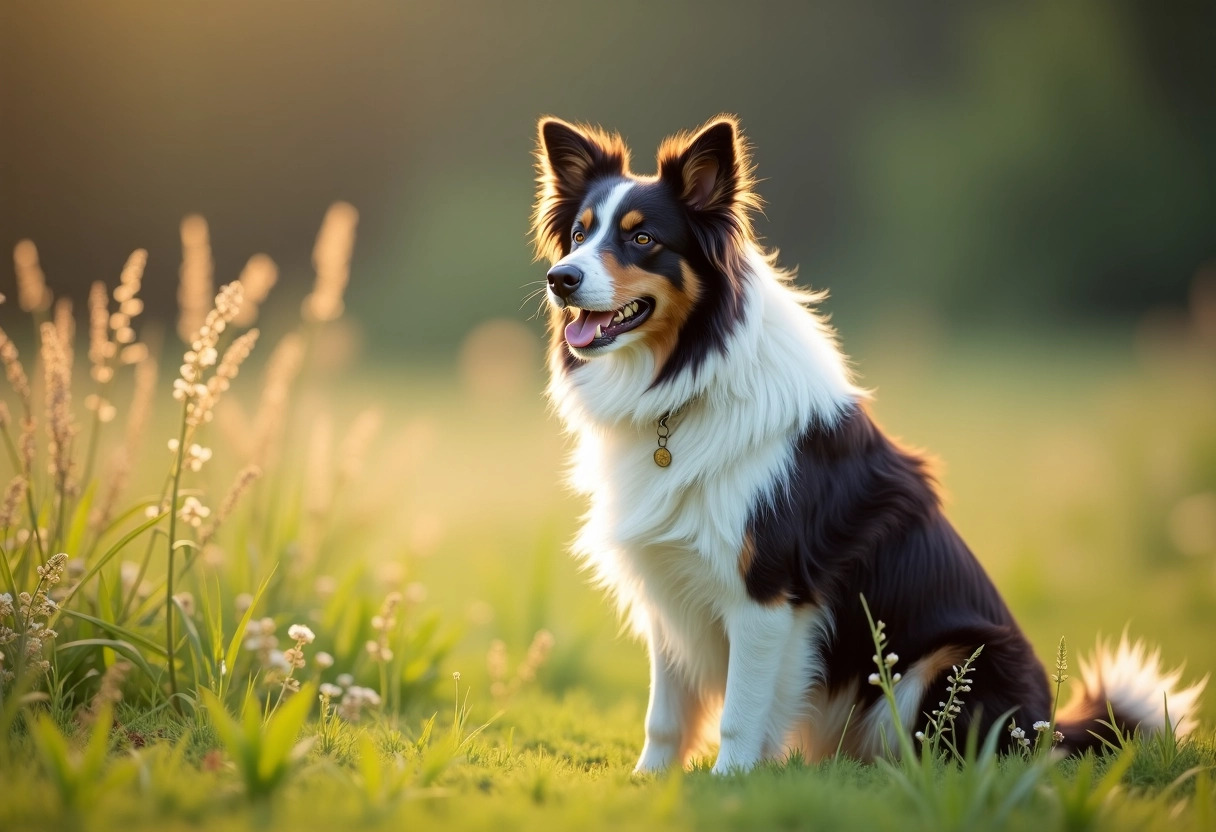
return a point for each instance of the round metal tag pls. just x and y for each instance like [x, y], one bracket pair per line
[662, 457]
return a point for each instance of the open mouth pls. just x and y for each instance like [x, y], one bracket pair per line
[593, 328]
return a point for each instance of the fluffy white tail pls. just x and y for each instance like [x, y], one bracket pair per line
[1130, 677]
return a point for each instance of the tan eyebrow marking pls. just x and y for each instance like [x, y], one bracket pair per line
[588, 216]
[631, 220]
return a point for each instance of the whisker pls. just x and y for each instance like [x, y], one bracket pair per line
[534, 294]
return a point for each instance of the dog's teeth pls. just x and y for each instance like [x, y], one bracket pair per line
[599, 332]
[633, 308]
[618, 317]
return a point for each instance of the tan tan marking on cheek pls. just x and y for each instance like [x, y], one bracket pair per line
[587, 217]
[631, 220]
[672, 305]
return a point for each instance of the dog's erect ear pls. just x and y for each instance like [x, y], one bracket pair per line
[710, 168]
[575, 155]
[711, 171]
[569, 158]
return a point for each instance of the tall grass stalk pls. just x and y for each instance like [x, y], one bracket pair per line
[170, 641]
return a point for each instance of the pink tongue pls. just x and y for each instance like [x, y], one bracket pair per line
[581, 331]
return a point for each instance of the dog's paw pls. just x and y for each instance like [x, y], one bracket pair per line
[652, 761]
[728, 764]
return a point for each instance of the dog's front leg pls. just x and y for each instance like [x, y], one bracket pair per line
[673, 714]
[758, 637]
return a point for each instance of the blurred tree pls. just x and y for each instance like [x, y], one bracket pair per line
[1051, 176]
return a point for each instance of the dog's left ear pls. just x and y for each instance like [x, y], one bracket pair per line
[709, 168]
[569, 158]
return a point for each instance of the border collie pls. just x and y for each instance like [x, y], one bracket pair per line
[742, 498]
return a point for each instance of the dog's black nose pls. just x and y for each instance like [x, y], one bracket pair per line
[564, 280]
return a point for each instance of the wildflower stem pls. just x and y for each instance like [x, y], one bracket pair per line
[1059, 677]
[12, 449]
[177, 478]
[34, 532]
[61, 488]
[22, 641]
[9, 583]
[133, 593]
[886, 683]
[90, 457]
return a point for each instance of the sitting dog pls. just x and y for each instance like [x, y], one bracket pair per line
[743, 501]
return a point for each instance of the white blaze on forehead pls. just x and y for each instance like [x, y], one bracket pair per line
[597, 291]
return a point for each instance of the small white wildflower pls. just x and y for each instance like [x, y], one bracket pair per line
[456, 675]
[345, 680]
[891, 659]
[897, 677]
[278, 661]
[242, 603]
[1025, 743]
[1041, 726]
[331, 690]
[1017, 734]
[1057, 737]
[324, 660]
[920, 735]
[196, 455]
[875, 679]
[193, 512]
[300, 633]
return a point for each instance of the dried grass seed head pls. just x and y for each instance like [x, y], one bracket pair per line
[14, 372]
[331, 257]
[60, 428]
[195, 289]
[258, 277]
[32, 293]
[10, 507]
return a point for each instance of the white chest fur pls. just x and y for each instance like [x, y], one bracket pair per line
[665, 542]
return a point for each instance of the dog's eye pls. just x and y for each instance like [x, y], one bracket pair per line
[579, 237]
[642, 239]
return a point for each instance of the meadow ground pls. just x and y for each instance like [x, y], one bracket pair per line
[414, 523]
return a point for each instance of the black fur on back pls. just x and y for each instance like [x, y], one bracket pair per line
[860, 516]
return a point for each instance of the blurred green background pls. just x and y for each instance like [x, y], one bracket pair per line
[1013, 204]
[1011, 164]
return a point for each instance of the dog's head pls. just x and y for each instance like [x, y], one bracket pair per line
[651, 261]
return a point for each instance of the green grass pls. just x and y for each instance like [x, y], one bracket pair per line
[1065, 463]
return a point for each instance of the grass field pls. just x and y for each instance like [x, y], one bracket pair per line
[414, 523]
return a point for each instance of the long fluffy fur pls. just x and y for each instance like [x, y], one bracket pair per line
[741, 565]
